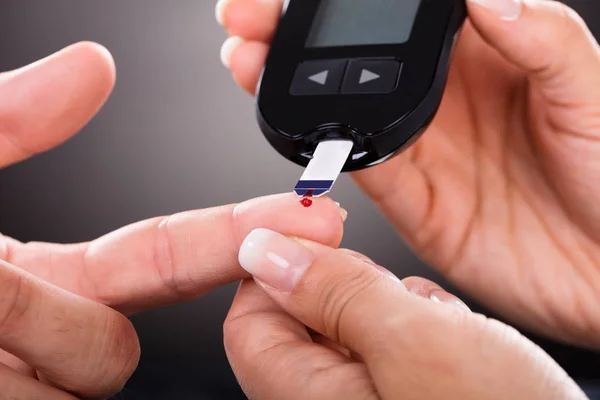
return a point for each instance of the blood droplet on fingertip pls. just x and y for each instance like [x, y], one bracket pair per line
[306, 202]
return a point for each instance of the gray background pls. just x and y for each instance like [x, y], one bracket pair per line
[171, 138]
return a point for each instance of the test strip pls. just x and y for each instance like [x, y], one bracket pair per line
[323, 170]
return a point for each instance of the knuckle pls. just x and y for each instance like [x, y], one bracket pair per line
[16, 300]
[339, 295]
[164, 263]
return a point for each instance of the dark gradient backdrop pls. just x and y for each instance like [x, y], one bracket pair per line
[177, 134]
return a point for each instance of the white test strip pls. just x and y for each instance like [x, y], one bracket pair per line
[323, 170]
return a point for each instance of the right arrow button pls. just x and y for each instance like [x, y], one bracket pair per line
[367, 76]
[371, 76]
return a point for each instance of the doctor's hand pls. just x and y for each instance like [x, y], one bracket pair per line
[63, 325]
[501, 193]
[321, 323]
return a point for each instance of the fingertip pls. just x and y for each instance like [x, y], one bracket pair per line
[48, 101]
[89, 66]
[228, 48]
[283, 213]
[246, 61]
[220, 11]
[250, 19]
[98, 61]
[83, 56]
[100, 55]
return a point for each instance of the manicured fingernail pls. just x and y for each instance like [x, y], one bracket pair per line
[508, 10]
[274, 259]
[220, 11]
[441, 296]
[228, 48]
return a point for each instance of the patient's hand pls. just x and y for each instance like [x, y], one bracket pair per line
[63, 325]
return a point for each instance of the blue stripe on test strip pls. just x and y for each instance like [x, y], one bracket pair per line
[314, 184]
[316, 188]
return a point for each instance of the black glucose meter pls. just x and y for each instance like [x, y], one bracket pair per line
[369, 71]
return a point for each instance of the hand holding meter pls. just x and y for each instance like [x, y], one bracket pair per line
[350, 83]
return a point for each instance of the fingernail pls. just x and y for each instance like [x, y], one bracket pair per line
[390, 275]
[274, 259]
[508, 10]
[228, 48]
[441, 296]
[220, 11]
[343, 214]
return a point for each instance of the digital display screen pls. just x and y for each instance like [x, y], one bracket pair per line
[340, 23]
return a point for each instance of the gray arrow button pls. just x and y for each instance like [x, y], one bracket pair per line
[367, 76]
[320, 78]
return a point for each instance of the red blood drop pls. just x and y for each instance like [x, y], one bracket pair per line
[306, 202]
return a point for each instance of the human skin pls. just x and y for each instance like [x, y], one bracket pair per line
[323, 323]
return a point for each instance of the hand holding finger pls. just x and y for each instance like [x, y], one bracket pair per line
[414, 348]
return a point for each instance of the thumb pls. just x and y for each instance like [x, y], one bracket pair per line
[547, 40]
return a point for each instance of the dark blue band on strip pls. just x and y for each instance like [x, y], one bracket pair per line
[314, 185]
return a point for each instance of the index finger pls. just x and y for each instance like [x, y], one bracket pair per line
[171, 259]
